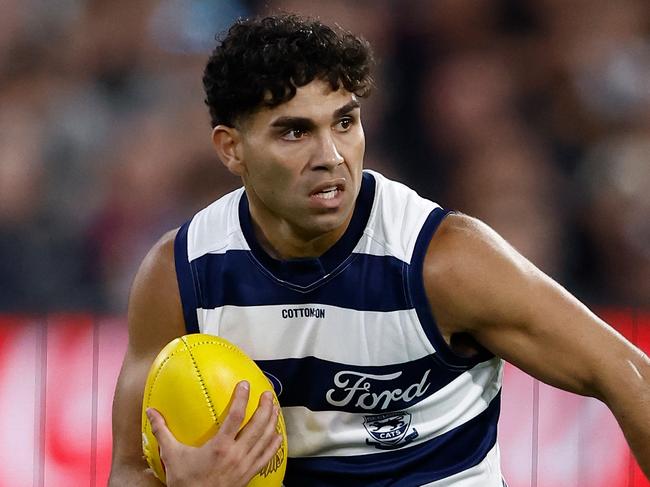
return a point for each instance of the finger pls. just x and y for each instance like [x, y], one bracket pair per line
[236, 410]
[261, 420]
[268, 435]
[159, 429]
[266, 456]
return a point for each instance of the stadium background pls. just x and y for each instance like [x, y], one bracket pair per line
[533, 115]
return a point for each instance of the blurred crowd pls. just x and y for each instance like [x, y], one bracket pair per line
[533, 115]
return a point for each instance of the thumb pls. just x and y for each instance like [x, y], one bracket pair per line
[160, 430]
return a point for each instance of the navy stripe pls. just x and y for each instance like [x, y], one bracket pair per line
[421, 301]
[438, 458]
[185, 280]
[235, 278]
[356, 392]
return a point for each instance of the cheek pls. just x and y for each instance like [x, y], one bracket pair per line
[358, 142]
[263, 162]
[271, 177]
[356, 151]
[279, 175]
[362, 149]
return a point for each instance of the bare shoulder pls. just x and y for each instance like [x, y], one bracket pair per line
[470, 272]
[155, 312]
[159, 261]
[462, 238]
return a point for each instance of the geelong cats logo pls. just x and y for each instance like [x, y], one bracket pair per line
[389, 430]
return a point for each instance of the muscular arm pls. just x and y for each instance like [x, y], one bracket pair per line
[235, 453]
[155, 317]
[478, 285]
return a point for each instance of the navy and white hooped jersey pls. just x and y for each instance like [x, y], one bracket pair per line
[370, 392]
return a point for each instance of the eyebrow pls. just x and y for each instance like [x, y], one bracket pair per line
[347, 108]
[308, 123]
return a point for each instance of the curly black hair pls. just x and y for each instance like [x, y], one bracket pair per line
[261, 62]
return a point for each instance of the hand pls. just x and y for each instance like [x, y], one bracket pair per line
[231, 457]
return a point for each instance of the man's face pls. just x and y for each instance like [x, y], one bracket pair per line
[302, 162]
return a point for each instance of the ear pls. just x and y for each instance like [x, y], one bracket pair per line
[227, 141]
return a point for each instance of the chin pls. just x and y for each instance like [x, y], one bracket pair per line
[329, 222]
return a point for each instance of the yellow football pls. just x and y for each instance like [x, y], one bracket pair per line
[190, 383]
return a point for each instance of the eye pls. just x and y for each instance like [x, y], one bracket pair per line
[344, 124]
[294, 134]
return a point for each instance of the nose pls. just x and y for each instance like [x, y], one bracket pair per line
[327, 155]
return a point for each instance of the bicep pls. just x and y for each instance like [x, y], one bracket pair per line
[520, 314]
[155, 317]
[539, 327]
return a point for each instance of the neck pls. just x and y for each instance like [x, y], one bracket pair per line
[285, 243]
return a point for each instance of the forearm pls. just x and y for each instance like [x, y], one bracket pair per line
[631, 407]
[132, 476]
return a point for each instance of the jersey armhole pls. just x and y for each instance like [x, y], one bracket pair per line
[420, 300]
[187, 285]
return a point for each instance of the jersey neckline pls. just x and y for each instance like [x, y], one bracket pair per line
[308, 271]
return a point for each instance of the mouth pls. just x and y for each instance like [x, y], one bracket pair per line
[329, 191]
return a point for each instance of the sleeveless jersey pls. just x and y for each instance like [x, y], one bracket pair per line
[370, 392]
